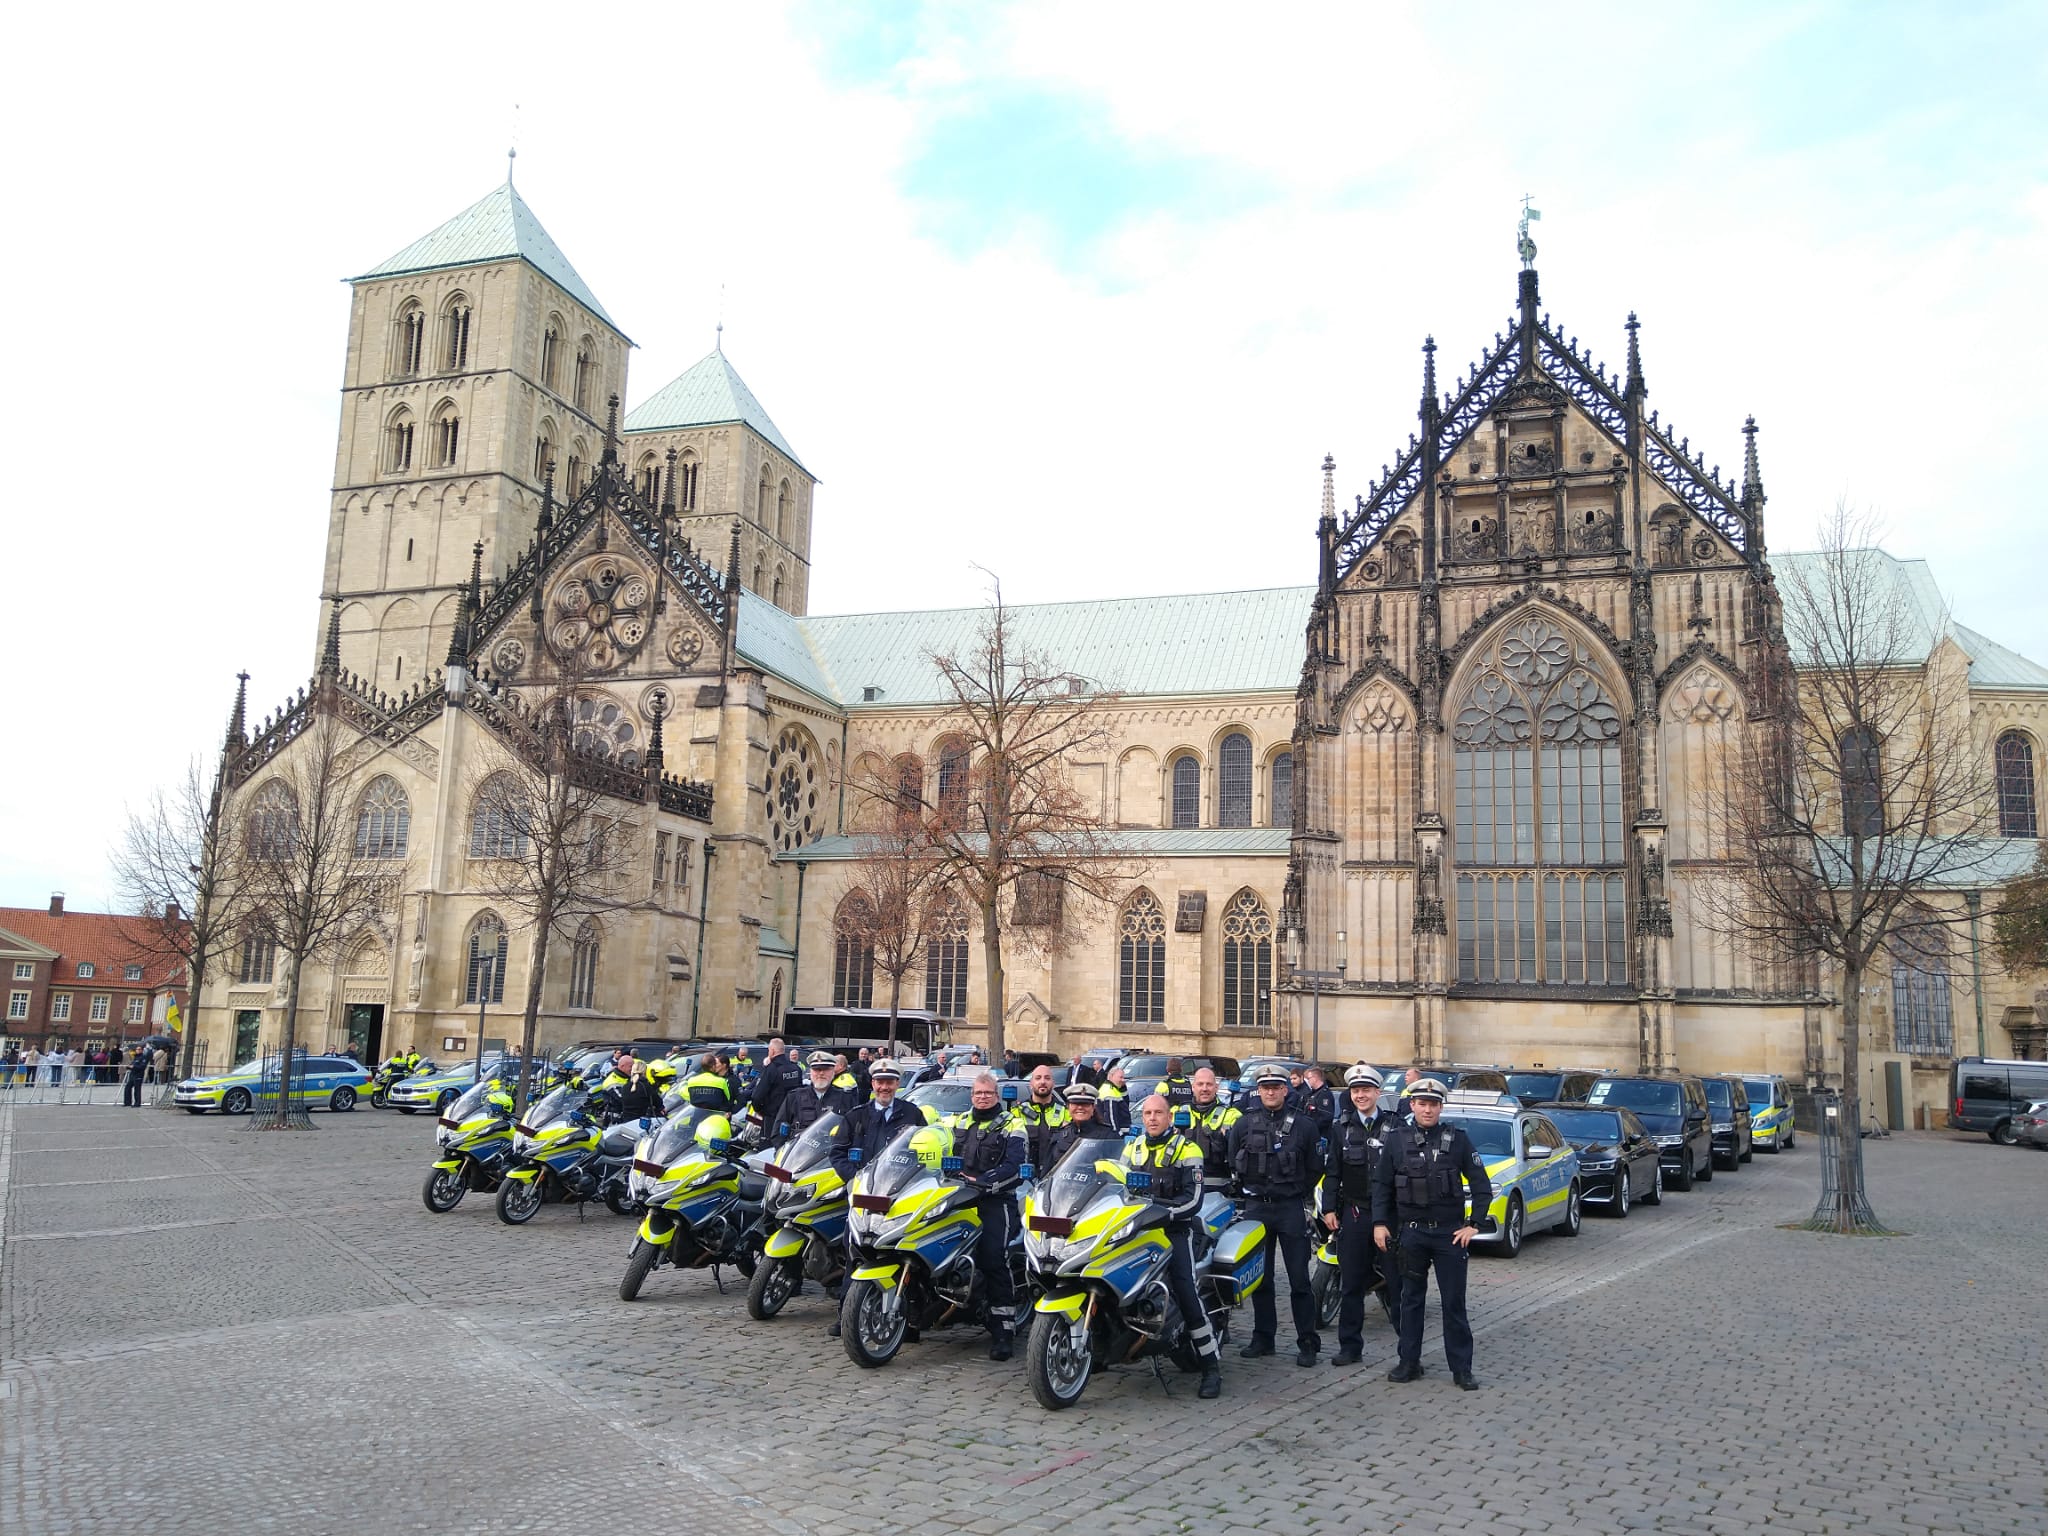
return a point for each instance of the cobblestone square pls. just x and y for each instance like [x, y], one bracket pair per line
[203, 1327]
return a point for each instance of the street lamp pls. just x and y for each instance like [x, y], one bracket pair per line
[1316, 980]
[487, 969]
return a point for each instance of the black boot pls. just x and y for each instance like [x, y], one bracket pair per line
[1212, 1379]
[1000, 1349]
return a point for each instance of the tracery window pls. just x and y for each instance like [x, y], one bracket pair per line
[1234, 781]
[1923, 1022]
[409, 341]
[1541, 893]
[795, 785]
[550, 356]
[649, 480]
[497, 820]
[945, 963]
[686, 482]
[488, 943]
[383, 820]
[455, 335]
[1280, 807]
[583, 967]
[1187, 791]
[447, 437]
[398, 441]
[273, 822]
[1862, 783]
[1141, 962]
[853, 954]
[2013, 760]
[586, 370]
[1247, 963]
[952, 798]
[259, 957]
[782, 513]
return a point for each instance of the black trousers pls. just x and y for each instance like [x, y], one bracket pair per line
[1287, 1230]
[1424, 1248]
[131, 1089]
[1180, 1280]
[1358, 1270]
[992, 1258]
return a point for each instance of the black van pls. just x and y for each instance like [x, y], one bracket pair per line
[1672, 1109]
[1984, 1094]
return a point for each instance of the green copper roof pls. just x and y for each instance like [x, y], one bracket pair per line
[707, 394]
[498, 225]
[1994, 666]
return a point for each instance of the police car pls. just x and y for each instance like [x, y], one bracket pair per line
[1533, 1168]
[437, 1090]
[331, 1082]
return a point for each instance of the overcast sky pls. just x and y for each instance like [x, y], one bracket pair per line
[1078, 292]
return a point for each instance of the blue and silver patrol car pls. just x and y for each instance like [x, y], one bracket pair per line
[322, 1082]
[1533, 1167]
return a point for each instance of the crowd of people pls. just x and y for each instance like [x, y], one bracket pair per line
[72, 1072]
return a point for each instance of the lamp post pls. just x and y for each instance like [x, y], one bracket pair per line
[487, 966]
[1316, 980]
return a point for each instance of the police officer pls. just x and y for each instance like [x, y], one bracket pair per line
[1175, 1164]
[1416, 1190]
[1115, 1105]
[1207, 1123]
[634, 1099]
[708, 1087]
[815, 1099]
[1356, 1143]
[1276, 1156]
[870, 1127]
[781, 1075]
[1317, 1098]
[1085, 1122]
[989, 1140]
[1175, 1087]
[1040, 1115]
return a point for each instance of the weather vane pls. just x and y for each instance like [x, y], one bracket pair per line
[1522, 241]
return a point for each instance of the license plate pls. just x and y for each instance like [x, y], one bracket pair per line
[779, 1173]
[877, 1203]
[1052, 1226]
[653, 1170]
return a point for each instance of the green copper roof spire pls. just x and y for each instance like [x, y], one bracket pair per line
[496, 227]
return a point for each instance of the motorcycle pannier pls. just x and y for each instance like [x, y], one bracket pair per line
[1239, 1260]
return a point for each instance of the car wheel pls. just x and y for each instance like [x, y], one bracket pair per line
[342, 1098]
[236, 1101]
[1790, 1139]
[1681, 1180]
[1656, 1194]
[2004, 1134]
[1574, 1212]
[1618, 1206]
[1706, 1173]
[1749, 1151]
[1511, 1229]
[441, 1104]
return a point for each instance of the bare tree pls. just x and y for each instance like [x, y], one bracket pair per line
[174, 868]
[1011, 814]
[551, 833]
[895, 884]
[1863, 798]
[2019, 929]
[299, 865]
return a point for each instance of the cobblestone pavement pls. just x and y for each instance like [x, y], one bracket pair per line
[204, 1326]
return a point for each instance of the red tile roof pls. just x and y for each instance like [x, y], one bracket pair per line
[109, 941]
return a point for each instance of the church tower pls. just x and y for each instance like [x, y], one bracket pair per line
[478, 362]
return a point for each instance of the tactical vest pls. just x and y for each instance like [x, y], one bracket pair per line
[1168, 1163]
[1357, 1147]
[1268, 1150]
[1426, 1179]
[980, 1145]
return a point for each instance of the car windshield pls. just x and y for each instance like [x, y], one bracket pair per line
[1537, 1085]
[1638, 1094]
[1584, 1126]
[1080, 1176]
[1493, 1138]
[1760, 1091]
[814, 1146]
[1718, 1096]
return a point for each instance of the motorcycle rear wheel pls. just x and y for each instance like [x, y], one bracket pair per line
[871, 1337]
[443, 1190]
[1058, 1358]
[638, 1268]
[518, 1199]
[773, 1284]
[1329, 1294]
[619, 1204]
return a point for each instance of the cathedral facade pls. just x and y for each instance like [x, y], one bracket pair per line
[1442, 804]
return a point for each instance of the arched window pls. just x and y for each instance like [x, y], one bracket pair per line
[945, 963]
[551, 355]
[497, 820]
[1280, 802]
[383, 820]
[1862, 783]
[853, 954]
[776, 597]
[447, 435]
[782, 513]
[259, 957]
[543, 450]
[953, 763]
[754, 586]
[1537, 768]
[909, 790]
[578, 457]
[455, 335]
[1234, 781]
[775, 1001]
[408, 339]
[1187, 791]
[686, 482]
[583, 967]
[586, 374]
[648, 478]
[1247, 963]
[761, 501]
[273, 822]
[2013, 757]
[1141, 962]
[1923, 1022]
[487, 946]
[398, 435]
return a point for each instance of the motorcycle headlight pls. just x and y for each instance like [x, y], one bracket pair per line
[445, 1137]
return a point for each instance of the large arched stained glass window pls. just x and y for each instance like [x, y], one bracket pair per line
[1541, 889]
[383, 820]
[1280, 811]
[1141, 962]
[1247, 963]
[1862, 783]
[1187, 791]
[487, 949]
[945, 963]
[2013, 757]
[853, 954]
[1234, 781]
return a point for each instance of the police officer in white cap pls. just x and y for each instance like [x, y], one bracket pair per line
[1357, 1142]
[1419, 1191]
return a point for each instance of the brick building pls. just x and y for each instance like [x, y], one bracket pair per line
[83, 978]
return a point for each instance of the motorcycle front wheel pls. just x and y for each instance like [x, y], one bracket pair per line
[638, 1268]
[1328, 1291]
[444, 1189]
[518, 1199]
[1058, 1357]
[773, 1284]
[870, 1334]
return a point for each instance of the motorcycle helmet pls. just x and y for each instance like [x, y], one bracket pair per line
[931, 1145]
[661, 1073]
[712, 1132]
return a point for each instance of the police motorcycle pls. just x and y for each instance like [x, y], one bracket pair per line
[561, 1150]
[913, 1224]
[1096, 1247]
[474, 1138]
[1328, 1286]
[703, 1205]
[805, 1216]
[391, 1074]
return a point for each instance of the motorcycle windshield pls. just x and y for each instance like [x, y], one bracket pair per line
[916, 1153]
[814, 1147]
[559, 1105]
[676, 1138]
[1085, 1172]
[474, 1101]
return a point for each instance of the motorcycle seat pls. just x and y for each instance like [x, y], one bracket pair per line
[753, 1186]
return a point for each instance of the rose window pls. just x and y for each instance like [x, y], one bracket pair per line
[601, 727]
[795, 789]
[598, 616]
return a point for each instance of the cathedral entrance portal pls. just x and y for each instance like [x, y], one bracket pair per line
[366, 1032]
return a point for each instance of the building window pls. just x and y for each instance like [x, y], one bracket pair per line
[945, 963]
[909, 791]
[543, 453]
[586, 371]
[573, 480]
[132, 1014]
[952, 786]
[1187, 792]
[1234, 781]
[686, 484]
[1537, 768]
[550, 356]
[1247, 963]
[17, 1005]
[2014, 757]
[1141, 962]
[649, 480]
[398, 444]
[583, 967]
[383, 820]
[273, 823]
[782, 513]
[1922, 1024]
[131, 973]
[60, 1006]
[761, 500]
[24, 970]
[660, 859]
[1280, 809]
[497, 821]
[409, 341]
[1040, 901]
[776, 596]
[259, 958]
[1862, 783]
[487, 948]
[101, 1003]
[853, 955]
[87, 970]
[455, 329]
[447, 437]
